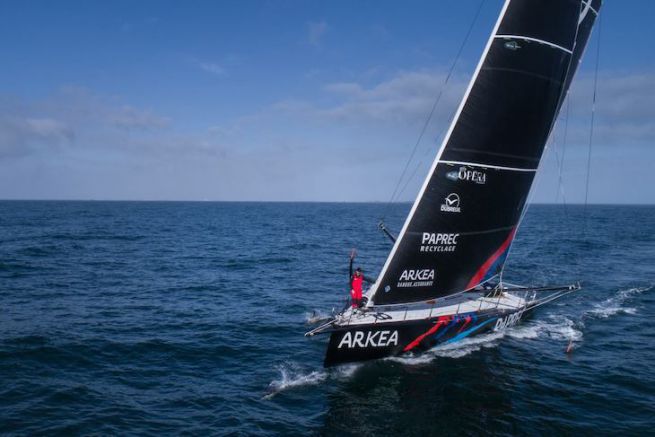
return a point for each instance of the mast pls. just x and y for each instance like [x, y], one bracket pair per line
[462, 223]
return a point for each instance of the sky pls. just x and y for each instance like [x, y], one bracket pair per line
[289, 100]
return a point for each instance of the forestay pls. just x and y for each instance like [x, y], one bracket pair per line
[462, 224]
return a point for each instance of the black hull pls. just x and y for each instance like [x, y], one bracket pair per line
[365, 342]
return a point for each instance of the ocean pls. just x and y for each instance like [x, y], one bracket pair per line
[153, 318]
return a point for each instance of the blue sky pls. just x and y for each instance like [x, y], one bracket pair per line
[285, 100]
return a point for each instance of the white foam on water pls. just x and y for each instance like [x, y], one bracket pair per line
[468, 345]
[556, 326]
[346, 371]
[412, 360]
[291, 377]
[522, 332]
[562, 328]
[451, 350]
[615, 304]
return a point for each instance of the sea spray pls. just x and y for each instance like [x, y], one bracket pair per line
[292, 376]
[616, 304]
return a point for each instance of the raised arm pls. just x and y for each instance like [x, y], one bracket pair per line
[353, 253]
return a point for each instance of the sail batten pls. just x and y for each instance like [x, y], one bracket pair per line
[462, 224]
[485, 165]
[540, 41]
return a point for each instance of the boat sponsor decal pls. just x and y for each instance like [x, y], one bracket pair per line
[494, 263]
[416, 278]
[438, 242]
[449, 322]
[443, 320]
[369, 339]
[462, 335]
[451, 203]
[467, 174]
[467, 320]
[507, 321]
[512, 45]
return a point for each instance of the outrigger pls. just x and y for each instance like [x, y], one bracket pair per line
[443, 279]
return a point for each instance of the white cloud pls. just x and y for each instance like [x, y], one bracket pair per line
[625, 108]
[74, 117]
[347, 144]
[127, 117]
[404, 100]
[21, 136]
[211, 67]
[315, 32]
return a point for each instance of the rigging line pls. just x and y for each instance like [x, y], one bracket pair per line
[560, 161]
[560, 183]
[434, 106]
[591, 127]
[425, 154]
[561, 167]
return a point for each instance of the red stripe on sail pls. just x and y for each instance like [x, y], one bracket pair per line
[482, 271]
[442, 321]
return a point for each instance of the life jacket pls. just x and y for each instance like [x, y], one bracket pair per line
[357, 283]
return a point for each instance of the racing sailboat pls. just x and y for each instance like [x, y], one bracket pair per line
[442, 280]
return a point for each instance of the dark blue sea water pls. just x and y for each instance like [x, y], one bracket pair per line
[158, 318]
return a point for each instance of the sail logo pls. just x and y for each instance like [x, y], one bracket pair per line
[512, 45]
[466, 174]
[451, 203]
[438, 242]
[416, 278]
[369, 339]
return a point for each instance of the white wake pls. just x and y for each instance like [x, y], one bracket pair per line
[554, 326]
[617, 303]
[293, 376]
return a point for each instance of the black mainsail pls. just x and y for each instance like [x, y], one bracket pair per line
[464, 219]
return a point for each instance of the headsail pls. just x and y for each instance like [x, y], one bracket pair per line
[462, 224]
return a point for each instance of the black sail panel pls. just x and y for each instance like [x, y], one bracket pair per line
[507, 117]
[545, 20]
[586, 23]
[461, 226]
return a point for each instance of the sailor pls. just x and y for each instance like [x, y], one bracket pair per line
[357, 280]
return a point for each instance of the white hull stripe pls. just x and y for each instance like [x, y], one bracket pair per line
[541, 41]
[497, 167]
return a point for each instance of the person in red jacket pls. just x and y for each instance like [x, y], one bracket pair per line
[357, 280]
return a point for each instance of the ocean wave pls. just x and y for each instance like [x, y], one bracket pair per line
[468, 345]
[91, 237]
[291, 376]
[556, 327]
[346, 371]
[616, 304]
[459, 349]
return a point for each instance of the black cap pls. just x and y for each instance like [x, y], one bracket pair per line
[358, 269]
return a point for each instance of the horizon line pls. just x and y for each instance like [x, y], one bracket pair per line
[296, 201]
